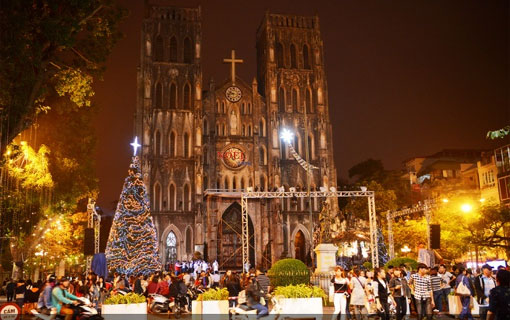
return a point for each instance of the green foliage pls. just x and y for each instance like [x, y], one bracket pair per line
[368, 265]
[52, 48]
[289, 272]
[487, 229]
[300, 291]
[129, 298]
[396, 262]
[30, 167]
[214, 294]
[497, 134]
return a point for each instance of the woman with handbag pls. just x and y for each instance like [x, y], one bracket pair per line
[464, 290]
[341, 287]
[358, 295]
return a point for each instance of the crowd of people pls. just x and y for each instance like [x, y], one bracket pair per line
[424, 292]
[356, 293]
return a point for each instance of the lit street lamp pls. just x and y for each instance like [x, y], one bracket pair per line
[405, 250]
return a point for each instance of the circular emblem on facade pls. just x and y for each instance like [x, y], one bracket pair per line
[233, 157]
[233, 94]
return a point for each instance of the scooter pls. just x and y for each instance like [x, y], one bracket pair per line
[86, 311]
[160, 304]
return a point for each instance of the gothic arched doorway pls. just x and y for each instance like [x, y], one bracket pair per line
[230, 254]
[300, 246]
[171, 247]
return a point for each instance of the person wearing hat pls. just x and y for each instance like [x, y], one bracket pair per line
[484, 283]
[62, 299]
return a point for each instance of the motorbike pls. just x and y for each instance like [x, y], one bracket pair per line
[85, 308]
[162, 304]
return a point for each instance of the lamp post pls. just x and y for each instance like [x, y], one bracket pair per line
[405, 250]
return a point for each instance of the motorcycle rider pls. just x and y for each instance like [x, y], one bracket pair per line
[63, 301]
[45, 303]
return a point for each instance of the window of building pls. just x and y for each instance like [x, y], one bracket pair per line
[171, 247]
[293, 62]
[281, 100]
[306, 57]
[173, 96]
[186, 144]
[279, 55]
[157, 196]
[187, 197]
[173, 49]
[159, 96]
[187, 96]
[157, 143]
[188, 50]
[173, 146]
[295, 102]
[158, 49]
[308, 101]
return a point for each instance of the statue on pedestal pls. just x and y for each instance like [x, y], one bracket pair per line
[325, 223]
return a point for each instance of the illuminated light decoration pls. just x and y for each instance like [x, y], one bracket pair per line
[307, 166]
[286, 135]
[135, 146]
[445, 200]
[132, 247]
[466, 207]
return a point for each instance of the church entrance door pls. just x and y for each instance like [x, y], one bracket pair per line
[230, 254]
[300, 246]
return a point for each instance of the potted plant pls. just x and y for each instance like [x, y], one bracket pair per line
[300, 299]
[213, 302]
[130, 303]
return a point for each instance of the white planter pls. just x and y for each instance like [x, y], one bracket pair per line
[214, 309]
[114, 311]
[302, 306]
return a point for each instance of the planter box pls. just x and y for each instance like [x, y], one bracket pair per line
[304, 306]
[119, 311]
[214, 309]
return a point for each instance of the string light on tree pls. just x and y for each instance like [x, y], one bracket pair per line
[132, 247]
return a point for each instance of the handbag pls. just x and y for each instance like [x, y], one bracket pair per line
[462, 289]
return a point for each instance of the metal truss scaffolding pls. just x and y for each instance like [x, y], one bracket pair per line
[391, 215]
[94, 221]
[245, 195]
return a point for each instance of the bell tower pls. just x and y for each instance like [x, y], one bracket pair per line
[168, 120]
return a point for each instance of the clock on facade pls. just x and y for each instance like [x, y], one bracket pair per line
[233, 94]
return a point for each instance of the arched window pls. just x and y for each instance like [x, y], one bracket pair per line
[187, 97]
[249, 108]
[234, 183]
[157, 143]
[263, 157]
[157, 196]
[186, 145]
[172, 195]
[218, 184]
[223, 129]
[281, 99]
[279, 55]
[206, 127]
[243, 108]
[218, 109]
[189, 241]
[293, 63]
[171, 248]
[159, 96]
[223, 107]
[242, 183]
[173, 96]
[227, 183]
[262, 129]
[262, 182]
[310, 147]
[173, 49]
[249, 130]
[295, 102]
[206, 183]
[187, 198]
[173, 146]
[158, 49]
[188, 50]
[306, 57]
[308, 100]
[243, 130]
[206, 156]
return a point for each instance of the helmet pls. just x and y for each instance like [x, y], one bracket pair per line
[51, 278]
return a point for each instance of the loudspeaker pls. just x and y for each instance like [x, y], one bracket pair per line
[435, 236]
[88, 242]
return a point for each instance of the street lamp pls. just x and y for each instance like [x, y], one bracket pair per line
[405, 250]
[466, 208]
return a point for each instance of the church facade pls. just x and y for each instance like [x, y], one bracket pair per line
[202, 143]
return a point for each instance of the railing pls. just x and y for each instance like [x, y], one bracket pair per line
[321, 280]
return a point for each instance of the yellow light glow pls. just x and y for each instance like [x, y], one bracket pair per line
[445, 200]
[466, 207]
[482, 200]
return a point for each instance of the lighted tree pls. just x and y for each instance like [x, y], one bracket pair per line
[132, 247]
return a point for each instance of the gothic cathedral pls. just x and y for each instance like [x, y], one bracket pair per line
[202, 145]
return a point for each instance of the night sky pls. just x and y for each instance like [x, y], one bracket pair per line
[405, 78]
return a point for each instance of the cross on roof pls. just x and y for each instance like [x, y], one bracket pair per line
[135, 145]
[233, 62]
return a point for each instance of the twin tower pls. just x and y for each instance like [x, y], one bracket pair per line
[225, 137]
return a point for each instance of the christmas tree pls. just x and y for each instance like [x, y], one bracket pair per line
[132, 247]
[382, 250]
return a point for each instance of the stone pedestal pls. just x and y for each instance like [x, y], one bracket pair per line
[326, 257]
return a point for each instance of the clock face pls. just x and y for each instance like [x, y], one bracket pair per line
[233, 157]
[233, 94]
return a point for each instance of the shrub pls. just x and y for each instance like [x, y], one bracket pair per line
[300, 291]
[288, 272]
[410, 263]
[368, 265]
[129, 298]
[214, 294]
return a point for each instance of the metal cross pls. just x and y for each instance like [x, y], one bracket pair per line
[233, 62]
